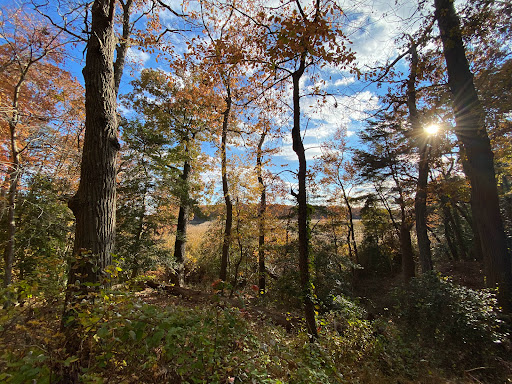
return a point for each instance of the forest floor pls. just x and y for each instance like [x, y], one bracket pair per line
[158, 335]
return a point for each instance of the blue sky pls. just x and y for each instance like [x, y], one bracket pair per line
[372, 26]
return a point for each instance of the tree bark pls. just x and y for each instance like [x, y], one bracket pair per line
[138, 235]
[94, 203]
[303, 220]
[234, 285]
[420, 201]
[471, 131]
[225, 189]
[459, 237]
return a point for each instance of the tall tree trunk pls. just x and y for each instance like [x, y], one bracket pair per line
[13, 180]
[225, 189]
[448, 233]
[303, 219]
[94, 203]
[420, 201]
[351, 236]
[471, 131]
[261, 218]
[234, 285]
[181, 228]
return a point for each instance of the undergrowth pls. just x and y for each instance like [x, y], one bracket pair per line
[125, 340]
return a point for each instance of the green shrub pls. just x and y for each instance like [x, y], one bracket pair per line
[462, 324]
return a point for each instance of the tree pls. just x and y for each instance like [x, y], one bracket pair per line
[261, 214]
[94, 203]
[174, 113]
[44, 227]
[218, 54]
[420, 202]
[339, 171]
[479, 166]
[291, 39]
[266, 129]
[36, 92]
[382, 162]
[378, 248]
[143, 201]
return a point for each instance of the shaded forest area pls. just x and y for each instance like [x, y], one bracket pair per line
[152, 233]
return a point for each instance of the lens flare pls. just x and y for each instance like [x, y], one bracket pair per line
[431, 129]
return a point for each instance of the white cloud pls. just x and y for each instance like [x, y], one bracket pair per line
[136, 56]
[373, 27]
[327, 117]
[344, 81]
[311, 151]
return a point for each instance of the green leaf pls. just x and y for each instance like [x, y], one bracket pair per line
[156, 338]
[70, 360]
[103, 331]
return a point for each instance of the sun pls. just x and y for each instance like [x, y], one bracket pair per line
[431, 129]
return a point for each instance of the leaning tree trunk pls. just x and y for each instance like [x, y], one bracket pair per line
[261, 219]
[471, 131]
[181, 228]
[420, 201]
[303, 220]
[225, 189]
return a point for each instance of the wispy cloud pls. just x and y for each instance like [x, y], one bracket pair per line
[136, 56]
[338, 113]
[374, 27]
[311, 151]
